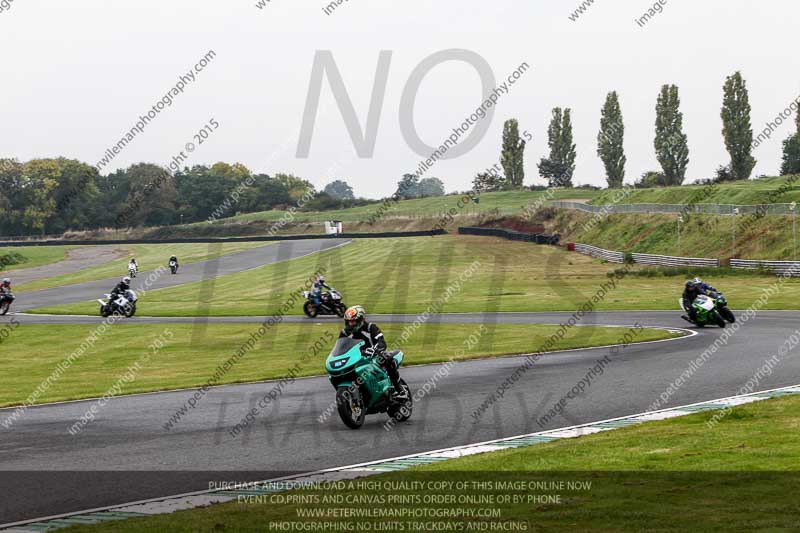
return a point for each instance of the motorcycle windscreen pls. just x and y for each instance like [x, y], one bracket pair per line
[705, 302]
[345, 345]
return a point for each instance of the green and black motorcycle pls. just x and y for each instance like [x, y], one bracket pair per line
[709, 311]
[362, 386]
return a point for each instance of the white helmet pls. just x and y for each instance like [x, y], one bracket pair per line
[126, 279]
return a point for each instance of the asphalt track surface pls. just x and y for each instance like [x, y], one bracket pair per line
[188, 273]
[128, 454]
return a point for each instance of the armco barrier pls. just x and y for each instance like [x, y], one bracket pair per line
[645, 259]
[778, 267]
[382, 235]
[538, 238]
[669, 261]
[607, 255]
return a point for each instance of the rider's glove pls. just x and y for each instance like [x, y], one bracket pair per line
[370, 351]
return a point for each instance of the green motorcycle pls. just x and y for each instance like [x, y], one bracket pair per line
[362, 386]
[707, 312]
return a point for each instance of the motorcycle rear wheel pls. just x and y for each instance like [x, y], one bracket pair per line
[310, 310]
[351, 407]
[4, 307]
[105, 311]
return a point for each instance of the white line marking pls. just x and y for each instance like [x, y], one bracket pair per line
[488, 444]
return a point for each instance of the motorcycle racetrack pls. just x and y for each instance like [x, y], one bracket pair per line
[157, 444]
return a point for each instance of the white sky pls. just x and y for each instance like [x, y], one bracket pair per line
[75, 75]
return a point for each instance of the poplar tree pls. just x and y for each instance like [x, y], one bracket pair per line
[610, 141]
[559, 167]
[737, 128]
[671, 144]
[512, 156]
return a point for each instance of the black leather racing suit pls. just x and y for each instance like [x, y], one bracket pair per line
[373, 338]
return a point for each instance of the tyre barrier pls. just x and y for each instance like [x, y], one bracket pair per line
[538, 238]
[382, 235]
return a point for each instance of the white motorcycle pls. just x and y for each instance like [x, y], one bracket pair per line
[124, 304]
[132, 269]
[330, 303]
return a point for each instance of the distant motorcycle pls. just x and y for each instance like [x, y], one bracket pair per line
[173, 266]
[132, 270]
[5, 302]
[362, 386]
[124, 304]
[330, 304]
[707, 312]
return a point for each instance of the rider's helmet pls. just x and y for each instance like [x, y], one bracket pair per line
[126, 279]
[320, 279]
[6, 282]
[354, 318]
[697, 281]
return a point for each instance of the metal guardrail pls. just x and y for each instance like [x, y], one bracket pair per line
[613, 256]
[670, 261]
[608, 255]
[778, 267]
[677, 209]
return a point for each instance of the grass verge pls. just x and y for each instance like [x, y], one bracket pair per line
[35, 256]
[406, 275]
[193, 352]
[674, 475]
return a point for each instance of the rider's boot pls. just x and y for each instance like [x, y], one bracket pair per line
[398, 392]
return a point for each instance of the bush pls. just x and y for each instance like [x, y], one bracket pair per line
[12, 258]
[652, 179]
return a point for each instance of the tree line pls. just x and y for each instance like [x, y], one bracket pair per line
[50, 196]
[670, 142]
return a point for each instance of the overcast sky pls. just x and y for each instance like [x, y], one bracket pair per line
[77, 74]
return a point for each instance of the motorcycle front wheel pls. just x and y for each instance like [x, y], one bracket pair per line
[727, 314]
[129, 310]
[351, 407]
[4, 308]
[310, 310]
[719, 320]
[340, 309]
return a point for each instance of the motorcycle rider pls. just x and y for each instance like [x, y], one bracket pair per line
[316, 290]
[5, 288]
[356, 327]
[133, 265]
[694, 288]
[173, 258]
[121, 287]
